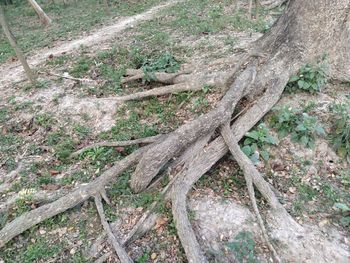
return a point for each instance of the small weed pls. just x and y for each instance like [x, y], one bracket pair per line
[340, 124]
[302, 127]
[58, 61]
[81, 67]
[200, 104]
[345, 214]
[64, 149]
[39, 84]
[165, 63]
[44, 120]
[256, 141]
[40, 250]
[82, 131]
[243, 247]
[310, 78]
[144, 258]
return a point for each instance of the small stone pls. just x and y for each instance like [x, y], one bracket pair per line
[323, 223]
[42, 231]
[72, 251]
[153, 256]
[292, 190]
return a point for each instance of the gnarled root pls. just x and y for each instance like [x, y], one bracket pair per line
[248, 167]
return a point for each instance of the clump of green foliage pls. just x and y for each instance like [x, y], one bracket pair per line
[256, 143]
[302, 127]
[310, 78]
[243, 247]
[345, 214]
[164, 63]
[340, 124]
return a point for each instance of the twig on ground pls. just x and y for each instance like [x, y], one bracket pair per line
[147, 140]
[123, 256]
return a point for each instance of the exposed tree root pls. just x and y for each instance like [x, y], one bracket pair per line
[273, 4]
[35, 197]
[161, 77]
[68, 201]
[244, 162]
[67, 76]
[147, 140]
[180, 87]
[157, 157]
[123, 256]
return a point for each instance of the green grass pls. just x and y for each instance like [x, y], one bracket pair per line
[68, 21]
[34, 252]
[340, 125]
[196, 17]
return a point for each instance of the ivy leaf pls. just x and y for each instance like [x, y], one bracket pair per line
[247, 150]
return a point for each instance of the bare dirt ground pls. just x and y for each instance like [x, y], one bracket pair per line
[12, 72]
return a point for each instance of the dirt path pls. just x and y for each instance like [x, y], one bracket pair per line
[13, 72]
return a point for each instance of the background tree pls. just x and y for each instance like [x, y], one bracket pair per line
[31, 76]
[39, 11]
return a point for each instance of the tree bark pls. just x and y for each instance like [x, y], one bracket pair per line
[39, 11]
[31, 76]
[306, 31]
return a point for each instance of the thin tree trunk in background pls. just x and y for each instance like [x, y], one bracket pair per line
[31, 76]
[106, 6]
[42, 16]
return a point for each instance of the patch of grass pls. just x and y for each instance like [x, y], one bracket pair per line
[81, 131]
[164, 63]
[340, 129]
[144, 258]
[9, 145]
[256, 143]
[62, 143]
[39, 84]
[44, 120]
[243, 247]
[41, 250]
[310, 78]
[302, 127]
[207, 17]
[128, 126]
[68, 21]
[58, 61]
[81, 67]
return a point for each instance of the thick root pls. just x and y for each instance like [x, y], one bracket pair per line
[38, 215]
[157, 157]
[244, 162]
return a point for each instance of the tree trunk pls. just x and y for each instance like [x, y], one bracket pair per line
[106, 7]
[306, 31]
[39, 11]
[12, 40]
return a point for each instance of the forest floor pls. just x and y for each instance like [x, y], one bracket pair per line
[42, 124]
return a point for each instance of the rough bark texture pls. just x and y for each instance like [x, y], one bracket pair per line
[14, 45]
[39, 11]
[306, 31]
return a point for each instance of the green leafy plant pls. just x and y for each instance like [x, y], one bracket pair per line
[345, 210]
[256, 143]
[340, 125]
[243, 247]
[165, 63]
[302, 127]
[310, 78]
